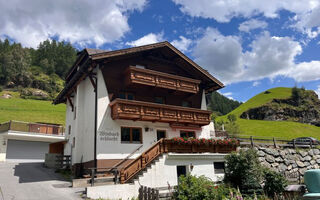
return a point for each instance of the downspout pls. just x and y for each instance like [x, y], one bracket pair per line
[95, 120]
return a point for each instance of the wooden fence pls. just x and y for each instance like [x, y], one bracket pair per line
[147, 193]
[246, 140]
[63, 162]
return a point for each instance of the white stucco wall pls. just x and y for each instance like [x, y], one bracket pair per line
[162, 173]
[3, 147]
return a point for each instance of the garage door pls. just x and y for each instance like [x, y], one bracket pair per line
[26, 151]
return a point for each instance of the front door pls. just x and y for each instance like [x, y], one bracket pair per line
[181, 170]
[161, 134]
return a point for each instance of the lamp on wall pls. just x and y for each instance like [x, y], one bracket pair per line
[4, 142]
[146, 129]
[191, 166]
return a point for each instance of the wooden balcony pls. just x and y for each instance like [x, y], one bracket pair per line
[145, 111]
[162, 80]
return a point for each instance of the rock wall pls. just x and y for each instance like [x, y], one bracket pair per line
[289, 160]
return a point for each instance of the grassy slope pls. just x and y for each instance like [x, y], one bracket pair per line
[30, 110]
[283, 129]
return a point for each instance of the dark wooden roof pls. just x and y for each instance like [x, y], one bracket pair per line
[81, 68]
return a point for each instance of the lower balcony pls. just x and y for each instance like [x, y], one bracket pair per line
[145, 111]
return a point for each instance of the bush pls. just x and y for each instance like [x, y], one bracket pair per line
[244, 171]
[275, 183]
[1, 88]
[232, 118]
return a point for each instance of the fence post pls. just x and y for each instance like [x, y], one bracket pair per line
[140, 193]
[251, 139]
[92, 176]
[153, 194]
[274, 142]
[145, 193]
[157, 194]
[149, 194]
[311, 144]
[294, 143]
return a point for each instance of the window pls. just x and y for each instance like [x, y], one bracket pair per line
[69, 129]
[186, 104]
[218, 167]
[131, 135]
[161, 134]
[187, 134]
[159, 100]
[126, 95]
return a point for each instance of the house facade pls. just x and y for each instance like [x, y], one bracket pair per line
[123, 105]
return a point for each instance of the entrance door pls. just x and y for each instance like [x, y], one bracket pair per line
[161, 134]
[181, 170]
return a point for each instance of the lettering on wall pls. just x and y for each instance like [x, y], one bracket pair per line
[108, 135]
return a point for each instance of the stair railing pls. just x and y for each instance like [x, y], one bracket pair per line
[138, 164]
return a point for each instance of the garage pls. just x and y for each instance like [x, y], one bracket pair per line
[26, 151]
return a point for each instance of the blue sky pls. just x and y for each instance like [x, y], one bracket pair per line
[247, 45]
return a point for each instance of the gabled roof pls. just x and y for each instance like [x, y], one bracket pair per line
[92, 55]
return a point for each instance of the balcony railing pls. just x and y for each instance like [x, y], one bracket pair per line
[145, 111]
[32, 128]
[162, 80]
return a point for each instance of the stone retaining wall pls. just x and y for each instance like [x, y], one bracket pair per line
[289, 160]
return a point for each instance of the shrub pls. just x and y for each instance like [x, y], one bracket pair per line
[244, 171]
[232, 118]
[275, 183]
[1, 88]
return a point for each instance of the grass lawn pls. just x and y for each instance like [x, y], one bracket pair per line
[281, 129]
[30, 110]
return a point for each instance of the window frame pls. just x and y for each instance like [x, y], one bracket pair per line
[126, 94]
[131, 135]
[187, 133]
[219, 170]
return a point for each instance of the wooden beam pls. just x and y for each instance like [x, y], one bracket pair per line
[70, 101]
[93, 82]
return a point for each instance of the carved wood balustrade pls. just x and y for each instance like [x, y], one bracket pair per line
[163, 80]
[145, 111]
[167, 146]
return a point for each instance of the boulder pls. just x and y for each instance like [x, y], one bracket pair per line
[270, 159]
[307, 158]
[303, 153]
[261, 153]
[300, 164]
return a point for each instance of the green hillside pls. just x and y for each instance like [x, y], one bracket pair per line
[285, 129]
[29, 110]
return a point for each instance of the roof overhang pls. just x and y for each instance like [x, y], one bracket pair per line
[88, 58]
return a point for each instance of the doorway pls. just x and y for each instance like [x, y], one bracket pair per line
[181, 170]
[161, 134]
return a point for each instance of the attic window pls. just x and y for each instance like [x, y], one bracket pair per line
[140, 66]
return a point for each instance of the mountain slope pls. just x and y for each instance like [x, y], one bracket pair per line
[29, 110]
[285, 129]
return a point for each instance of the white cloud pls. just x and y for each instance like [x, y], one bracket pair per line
[269, 56]
[309, 22]
[77, 21]
[221, 55]
[318, 91]
[147, 39]
[225, 10]
[307, 12]
[228, 95]
[252, 24]
[255, 83]
[182, 44]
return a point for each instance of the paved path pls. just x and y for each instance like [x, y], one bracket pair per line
[31, 181]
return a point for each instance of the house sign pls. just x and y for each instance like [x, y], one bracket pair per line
[108, 135]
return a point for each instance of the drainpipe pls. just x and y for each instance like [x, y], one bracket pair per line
[95, 120]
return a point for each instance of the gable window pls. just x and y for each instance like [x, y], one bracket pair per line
[126, 95]
[159, 100]
[218, 167]
[131, 135]
[187, 134]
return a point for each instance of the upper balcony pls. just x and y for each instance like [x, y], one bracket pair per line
[145, 111]
[153, 78]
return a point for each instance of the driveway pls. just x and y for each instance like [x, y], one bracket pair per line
[31, 181]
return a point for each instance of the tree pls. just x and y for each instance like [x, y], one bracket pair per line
[220, 103]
